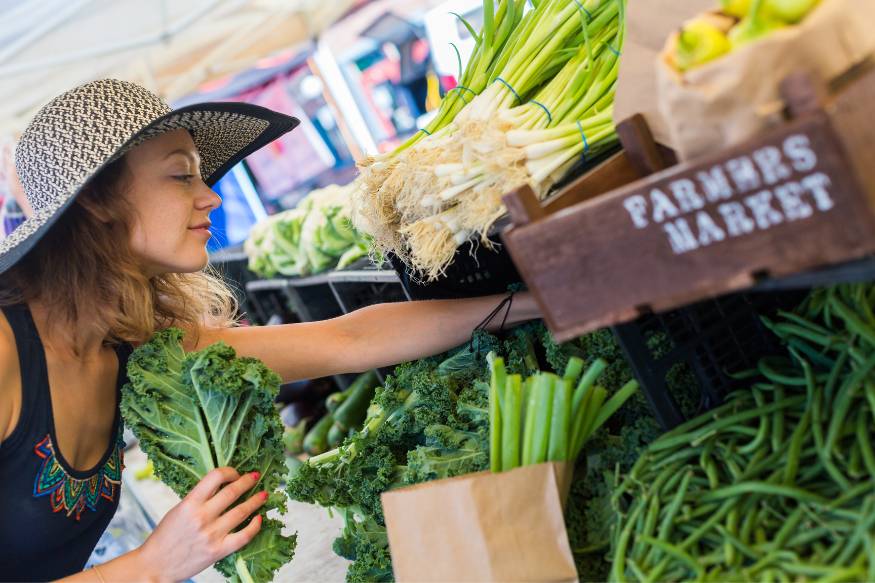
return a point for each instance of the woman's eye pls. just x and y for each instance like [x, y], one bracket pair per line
[184, 177]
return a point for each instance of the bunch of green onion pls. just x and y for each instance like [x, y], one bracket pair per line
[545, 100]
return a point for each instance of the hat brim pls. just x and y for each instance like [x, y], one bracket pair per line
[224, 134]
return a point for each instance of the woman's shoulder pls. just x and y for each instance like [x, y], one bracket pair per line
[8, 375]
[8, 352]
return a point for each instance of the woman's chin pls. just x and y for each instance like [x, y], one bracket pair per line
[190, 263]
[198, 264]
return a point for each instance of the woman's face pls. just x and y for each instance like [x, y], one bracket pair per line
[171, 204]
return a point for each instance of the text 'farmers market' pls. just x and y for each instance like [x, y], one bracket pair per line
[785, 184]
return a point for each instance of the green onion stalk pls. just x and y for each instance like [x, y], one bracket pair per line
[498, 29]
[496, 147]
[373, 201]
[554, 70]
[578, 99]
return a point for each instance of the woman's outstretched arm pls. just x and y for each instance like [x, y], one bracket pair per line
[376, 336]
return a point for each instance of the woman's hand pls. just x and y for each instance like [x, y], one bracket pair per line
[197, 532]
[192, 536]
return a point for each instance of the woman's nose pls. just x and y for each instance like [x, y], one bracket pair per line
[207, 198]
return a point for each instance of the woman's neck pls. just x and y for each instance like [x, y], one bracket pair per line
[64, 338]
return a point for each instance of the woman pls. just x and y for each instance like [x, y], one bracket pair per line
[115, 249]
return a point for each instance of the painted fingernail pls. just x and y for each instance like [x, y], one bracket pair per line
[255, 475]
[264, 495]
[259, 519]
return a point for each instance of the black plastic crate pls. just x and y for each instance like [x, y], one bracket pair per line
[712, 339]
[312, 299]
[481, 273]
[856, 271]
[359, 289]
[267, 302]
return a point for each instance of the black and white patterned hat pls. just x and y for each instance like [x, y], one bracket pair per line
[81, 131]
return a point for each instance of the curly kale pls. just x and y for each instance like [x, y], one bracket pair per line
[413, 399]
[557, 355]
[376, 470]
[431, 399]
[355, 473]
[364, 542]
[373, 564]
[589, 348]
[590, 518]
[447, 453]
[428, 421]
[602, 344]
[466, 361]
[472, 407]
[196, 412]
[622, 448]
[520, 352]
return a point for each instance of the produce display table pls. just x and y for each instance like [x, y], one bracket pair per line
[715, 259]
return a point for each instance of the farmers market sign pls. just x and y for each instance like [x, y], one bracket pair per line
[757, 191]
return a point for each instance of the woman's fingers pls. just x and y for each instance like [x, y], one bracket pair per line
[237, 515]
[237, 540]
[230, 494]
[210, 484]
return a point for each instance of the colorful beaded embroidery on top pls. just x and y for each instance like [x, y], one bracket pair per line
[73, 495]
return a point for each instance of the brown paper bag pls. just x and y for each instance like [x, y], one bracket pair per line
[648, 24]
[729, 100]
[482, 527]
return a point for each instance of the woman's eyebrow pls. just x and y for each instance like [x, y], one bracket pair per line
[194, 157]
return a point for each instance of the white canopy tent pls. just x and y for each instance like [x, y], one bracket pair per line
[172, 47]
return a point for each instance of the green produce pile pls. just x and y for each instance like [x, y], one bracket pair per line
[589, 513]
[199, 411]
[427, 422]
[779, 482]
[316, 236]
[431, 421]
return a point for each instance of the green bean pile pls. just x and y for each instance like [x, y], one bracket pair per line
[778, 483]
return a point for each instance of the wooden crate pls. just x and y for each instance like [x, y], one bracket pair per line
[799, 197]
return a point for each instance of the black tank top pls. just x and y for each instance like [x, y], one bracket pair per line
[51, 515]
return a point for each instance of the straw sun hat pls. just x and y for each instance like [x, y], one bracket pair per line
[81, 131]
